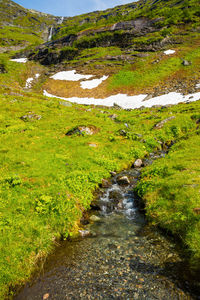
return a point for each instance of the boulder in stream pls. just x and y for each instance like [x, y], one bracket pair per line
[123, 180]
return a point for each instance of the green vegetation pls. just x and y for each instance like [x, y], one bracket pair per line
[20, 26]
[21, 37]
[47, 178]
[170, 189]
[148, 72]
[171, 13]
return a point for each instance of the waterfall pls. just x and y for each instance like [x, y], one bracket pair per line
[50, 34]
[60, 20]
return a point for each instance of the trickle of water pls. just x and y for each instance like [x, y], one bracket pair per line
[122, 258]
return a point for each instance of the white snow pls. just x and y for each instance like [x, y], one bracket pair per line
[91, 84]
[20, 60]
[197, 86]
[70, 75]
[132, 101]
[168, 52]
[30, 80]
[28, 83]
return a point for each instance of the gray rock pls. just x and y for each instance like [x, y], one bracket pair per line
[67, 104]
[94, 218]
[113, 173]
[82, 130]
[84, 233]
[123, 180]
[113, 117]
[137, 163]
[105, 183]
[115, 196]
[30, 117]
[148, 97]
[116, 106]
[163, 122]
[186, 63]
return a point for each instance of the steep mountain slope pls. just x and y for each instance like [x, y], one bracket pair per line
[122, 40]
[21, 27]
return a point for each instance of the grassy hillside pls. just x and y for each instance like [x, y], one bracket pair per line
[22, 27]
[47, 178]
[171, 13]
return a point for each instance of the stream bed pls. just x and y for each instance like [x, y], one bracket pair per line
[120, 257]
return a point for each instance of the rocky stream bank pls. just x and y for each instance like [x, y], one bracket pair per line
[118, 254]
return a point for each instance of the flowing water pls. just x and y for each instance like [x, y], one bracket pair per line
[121, 258]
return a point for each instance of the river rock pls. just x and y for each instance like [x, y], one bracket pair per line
[113, 173]
[115, 196]
[105, 183]
[123, 180]
[84, 233]
[94, 218]
[137, 163]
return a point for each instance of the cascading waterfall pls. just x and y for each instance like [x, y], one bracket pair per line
[50, 34]
[60, 20]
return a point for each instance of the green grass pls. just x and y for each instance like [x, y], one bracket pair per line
[171, 13]
[170, 189]
[145, 74]
[47, 178]
[13, 36]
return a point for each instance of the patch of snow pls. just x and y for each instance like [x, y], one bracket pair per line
[28, 83]
[20, 60]
[168, 52]
[91, 84]
[70, 75]
[30, 80]
[132, 101]
[197, 86]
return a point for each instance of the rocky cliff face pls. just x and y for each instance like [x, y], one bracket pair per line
[142, 26]
[20, 27]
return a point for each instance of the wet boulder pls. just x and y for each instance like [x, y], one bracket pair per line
[95, 218]
[115, 196]
[105, 183]
[123, 180]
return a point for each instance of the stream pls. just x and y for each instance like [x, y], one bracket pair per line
[120, 257]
